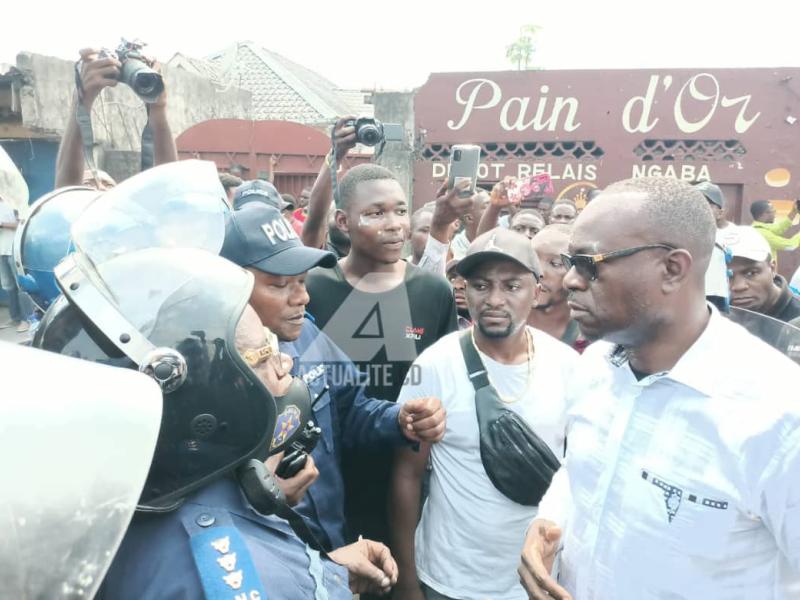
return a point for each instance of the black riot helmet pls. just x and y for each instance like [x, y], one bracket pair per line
[172, 314]
[145, 289]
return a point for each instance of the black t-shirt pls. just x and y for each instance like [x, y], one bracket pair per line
[382, 333]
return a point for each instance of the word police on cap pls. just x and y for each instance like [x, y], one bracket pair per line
[278, 228]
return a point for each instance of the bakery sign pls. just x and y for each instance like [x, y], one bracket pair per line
[585, 129]
[700, 95]
[520, 105]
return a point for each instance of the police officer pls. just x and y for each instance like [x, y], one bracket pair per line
[181, 315]
[259, 239]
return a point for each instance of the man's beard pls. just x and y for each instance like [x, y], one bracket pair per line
[496, 334]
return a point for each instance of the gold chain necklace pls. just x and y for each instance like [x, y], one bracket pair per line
[531, 350]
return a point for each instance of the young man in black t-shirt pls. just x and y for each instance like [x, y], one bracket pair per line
[383, 312]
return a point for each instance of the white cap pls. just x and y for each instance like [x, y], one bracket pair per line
[747, 242]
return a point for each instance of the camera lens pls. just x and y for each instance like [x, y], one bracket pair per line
[369, 135]
[457, 155]
[147, 83]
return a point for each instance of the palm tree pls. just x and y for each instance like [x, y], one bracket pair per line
[521, 51]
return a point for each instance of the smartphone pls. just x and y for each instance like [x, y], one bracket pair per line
[533, 186]
[464, 161]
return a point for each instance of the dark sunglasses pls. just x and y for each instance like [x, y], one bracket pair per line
[586, 264]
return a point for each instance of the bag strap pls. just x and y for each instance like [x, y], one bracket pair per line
[475, 367]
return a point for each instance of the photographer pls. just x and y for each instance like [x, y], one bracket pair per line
[319, 202]
[97, 73]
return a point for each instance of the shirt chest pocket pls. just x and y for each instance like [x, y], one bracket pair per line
[323, 413]
[692, 519]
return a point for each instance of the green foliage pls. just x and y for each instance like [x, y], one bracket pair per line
[521, 51]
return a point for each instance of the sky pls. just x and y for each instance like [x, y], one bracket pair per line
[359, 44]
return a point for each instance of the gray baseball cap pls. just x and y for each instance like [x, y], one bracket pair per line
[504, 244]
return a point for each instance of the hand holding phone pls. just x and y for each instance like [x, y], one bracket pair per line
[464, 162]
[534, 185]
[500, 192]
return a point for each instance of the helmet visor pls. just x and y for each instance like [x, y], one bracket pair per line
[176, 205]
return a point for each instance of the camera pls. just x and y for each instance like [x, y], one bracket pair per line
[372, 132]
[135, 72]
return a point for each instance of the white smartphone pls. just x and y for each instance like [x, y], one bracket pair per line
[464, 161]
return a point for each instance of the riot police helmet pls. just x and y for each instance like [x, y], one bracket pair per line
[145, 289]
[43, 239]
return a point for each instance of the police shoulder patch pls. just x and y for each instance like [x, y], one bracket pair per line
[287, 423]
[225, 567]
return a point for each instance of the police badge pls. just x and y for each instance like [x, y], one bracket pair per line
[287, 423]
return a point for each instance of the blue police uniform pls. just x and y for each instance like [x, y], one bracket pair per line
[215, 546]
[186, 554]
[348, 419]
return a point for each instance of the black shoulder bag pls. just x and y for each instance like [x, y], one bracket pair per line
[517, 461]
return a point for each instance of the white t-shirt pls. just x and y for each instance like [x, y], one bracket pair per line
[469, 539]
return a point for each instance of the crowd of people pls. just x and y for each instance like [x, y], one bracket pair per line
[514, 399]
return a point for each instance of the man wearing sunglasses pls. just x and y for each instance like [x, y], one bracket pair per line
[680, 480]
